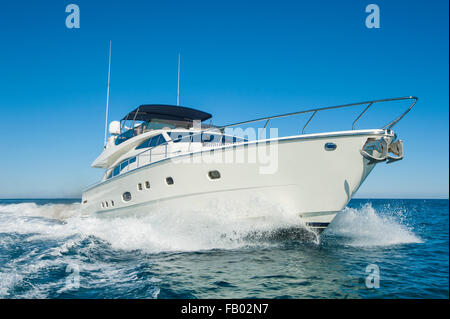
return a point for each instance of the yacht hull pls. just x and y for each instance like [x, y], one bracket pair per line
[299, 174]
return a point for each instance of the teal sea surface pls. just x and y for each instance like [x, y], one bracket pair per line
[49, 250]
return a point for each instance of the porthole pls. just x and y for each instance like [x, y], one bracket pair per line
[330, 146]
[214, 174]
[169, 180]
[147, 184]
[139, 186]
[126, 196]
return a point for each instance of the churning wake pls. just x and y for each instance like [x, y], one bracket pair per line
[224, 226]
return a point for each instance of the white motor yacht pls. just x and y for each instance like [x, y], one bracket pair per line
[172, 156]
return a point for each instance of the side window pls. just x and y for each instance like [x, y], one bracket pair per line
[184, 137]
[144, 144]
[238, 139]
[206, 137]
[116, 171]
[230, 139]
[211, 138]
[152, 142]
[156, 140]
[126, 162]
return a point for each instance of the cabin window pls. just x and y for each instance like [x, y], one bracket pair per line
[103, 205]
[211, 138]
[232, 139]
[183, 137]
[221, 139]
[106, 204]
[330, 146]
[147, 184]
[126, 162]
[152, 142]
[139, 186]
[186, 137]
[126, 196]
[214, 174]
[169, 180]
[112, 203]
[116, 171]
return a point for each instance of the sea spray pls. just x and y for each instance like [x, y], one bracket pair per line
[223, 225]
[367, 227]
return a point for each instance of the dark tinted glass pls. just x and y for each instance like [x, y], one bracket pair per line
[126, 196]
[184, 137]
[152, 142]
[124, 136]
[116, 170]
[211, 138]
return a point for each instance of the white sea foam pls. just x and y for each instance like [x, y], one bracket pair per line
[367, 227]
[224, 226]
[7, 281]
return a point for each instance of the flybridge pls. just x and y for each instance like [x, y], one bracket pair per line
[157, 116]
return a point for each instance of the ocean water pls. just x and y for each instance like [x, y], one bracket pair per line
[48, 249]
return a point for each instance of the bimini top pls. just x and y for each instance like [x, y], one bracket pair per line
[166, 112]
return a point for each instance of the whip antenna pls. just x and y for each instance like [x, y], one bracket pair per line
[107, 92]
[178, 86]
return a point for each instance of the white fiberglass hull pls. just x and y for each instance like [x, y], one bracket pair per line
[306, 179]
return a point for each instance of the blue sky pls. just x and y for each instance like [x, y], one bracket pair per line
[240, 60]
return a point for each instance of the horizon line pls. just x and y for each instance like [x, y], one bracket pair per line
[79, 198]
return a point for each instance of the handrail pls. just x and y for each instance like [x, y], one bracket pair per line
[268, 118]
[303, 130]
[364, 111]
[390, 125]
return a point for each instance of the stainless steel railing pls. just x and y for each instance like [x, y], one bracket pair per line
[315, 110]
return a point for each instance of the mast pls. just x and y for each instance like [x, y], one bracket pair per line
[178, 86]
[107, 93]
